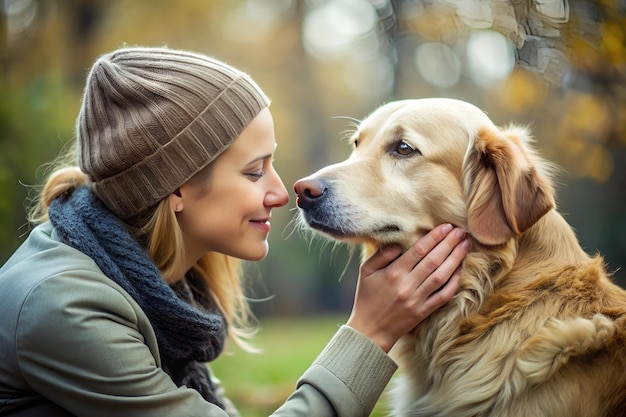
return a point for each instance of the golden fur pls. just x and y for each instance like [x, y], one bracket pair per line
[537, 328]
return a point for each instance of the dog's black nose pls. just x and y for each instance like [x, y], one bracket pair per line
[309, 191]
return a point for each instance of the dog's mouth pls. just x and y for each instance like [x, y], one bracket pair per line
[346, 230]
[333, 231]
[338, 220]
[389, 228]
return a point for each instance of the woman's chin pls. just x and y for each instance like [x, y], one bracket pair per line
[255, 255]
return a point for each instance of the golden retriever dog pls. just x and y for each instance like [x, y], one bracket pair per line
[538, 328]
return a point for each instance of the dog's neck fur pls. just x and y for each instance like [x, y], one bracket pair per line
[532, 246]
[487, 270]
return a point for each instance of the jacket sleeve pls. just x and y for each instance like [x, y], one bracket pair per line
[82, 344]
[345, 380]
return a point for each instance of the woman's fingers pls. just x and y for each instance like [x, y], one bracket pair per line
[380, 259]
[437, 276]
[397, 292]
[441, 296]
[431, 253]
[442, 262]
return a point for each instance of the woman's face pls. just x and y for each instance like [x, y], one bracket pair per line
[226, 207]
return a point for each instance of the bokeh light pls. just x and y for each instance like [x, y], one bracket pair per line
[20, 15]
[331, 28]
[490, 57]
[438, 64]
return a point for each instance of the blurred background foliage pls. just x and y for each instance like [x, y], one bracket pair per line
[557, 65]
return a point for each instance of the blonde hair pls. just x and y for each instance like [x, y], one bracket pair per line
[164, 242]
[222, 273]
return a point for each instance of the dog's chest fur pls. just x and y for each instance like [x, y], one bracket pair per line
[504, 351]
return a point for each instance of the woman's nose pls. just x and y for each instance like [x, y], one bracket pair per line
[278, 195]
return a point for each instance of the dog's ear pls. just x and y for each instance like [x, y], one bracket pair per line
[505, 191]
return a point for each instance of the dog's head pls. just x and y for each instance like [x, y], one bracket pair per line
[419, 163]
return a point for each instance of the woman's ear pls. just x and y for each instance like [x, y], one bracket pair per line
[176, 201]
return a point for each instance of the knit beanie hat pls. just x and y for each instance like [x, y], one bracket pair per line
[151, 118]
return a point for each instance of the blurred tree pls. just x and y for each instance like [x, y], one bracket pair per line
[575, 48]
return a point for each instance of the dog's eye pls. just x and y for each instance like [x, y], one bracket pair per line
[404, 149]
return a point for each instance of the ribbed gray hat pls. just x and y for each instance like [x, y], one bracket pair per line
[151, 118]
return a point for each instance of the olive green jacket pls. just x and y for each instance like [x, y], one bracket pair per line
[74, 343]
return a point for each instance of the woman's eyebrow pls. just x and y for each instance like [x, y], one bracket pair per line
[264, 157]
[260, 158]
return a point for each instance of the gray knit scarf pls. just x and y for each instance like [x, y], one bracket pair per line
[187, 336]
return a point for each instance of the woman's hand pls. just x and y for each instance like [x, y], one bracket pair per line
[397, 292]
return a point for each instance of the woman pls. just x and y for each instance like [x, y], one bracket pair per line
[130, 283]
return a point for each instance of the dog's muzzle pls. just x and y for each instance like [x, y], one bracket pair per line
[319, 209]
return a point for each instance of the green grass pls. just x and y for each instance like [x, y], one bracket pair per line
[259, 383]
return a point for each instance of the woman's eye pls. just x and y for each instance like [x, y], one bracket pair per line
[404, 149]
[256, 175]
